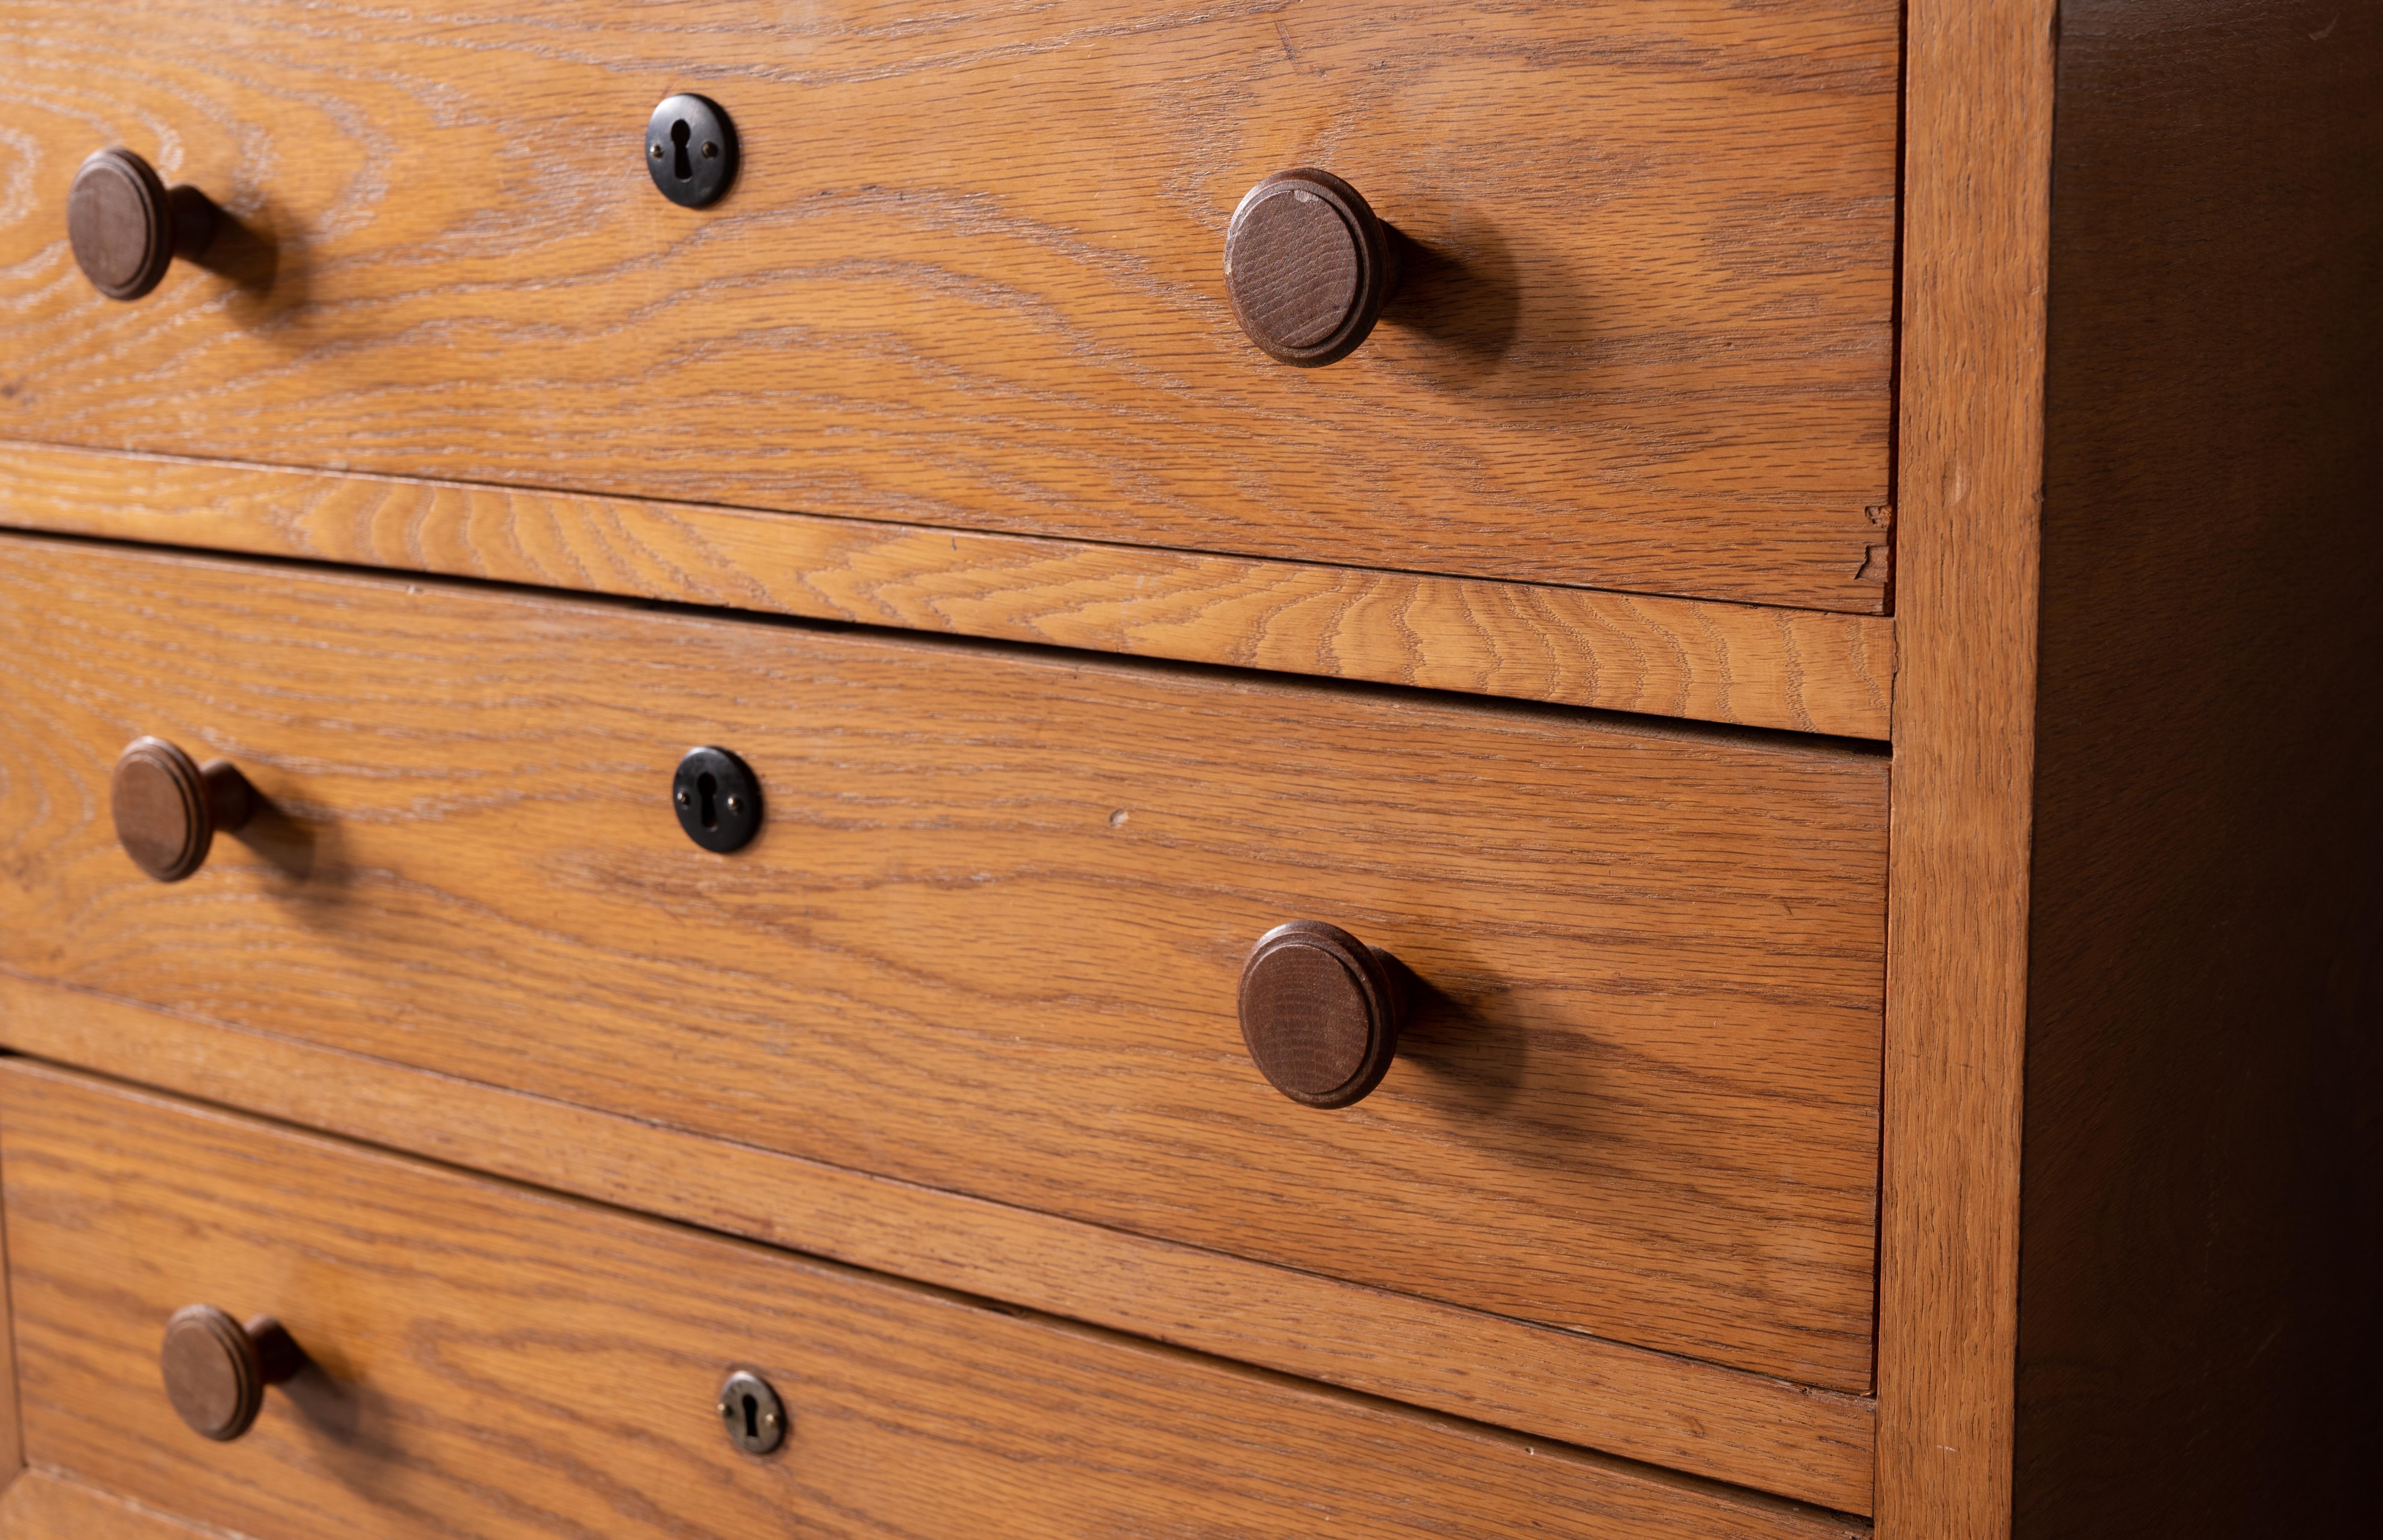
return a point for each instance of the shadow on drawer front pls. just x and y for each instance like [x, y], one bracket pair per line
[989, 936]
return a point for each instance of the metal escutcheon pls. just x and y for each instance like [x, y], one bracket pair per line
[717, 799]
[750, 1410]
[691, 150]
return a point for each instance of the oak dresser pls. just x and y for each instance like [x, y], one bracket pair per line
[1258, 769]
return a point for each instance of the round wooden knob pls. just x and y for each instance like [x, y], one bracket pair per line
[126, 227]
[1320, 1011]
[217, 1369]
[1308, 268]
[168, 809]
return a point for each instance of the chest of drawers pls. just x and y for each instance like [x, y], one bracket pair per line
[1233, 771]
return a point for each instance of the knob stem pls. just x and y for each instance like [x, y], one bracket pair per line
[195, 219]
[278, 1357]
[231, 801]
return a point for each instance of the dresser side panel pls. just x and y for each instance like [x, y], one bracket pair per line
[2197, 1340]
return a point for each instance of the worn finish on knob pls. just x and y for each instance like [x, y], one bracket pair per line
[168, 808]
[1320, 1011]
[216, 1369]
[1308, 268]
[126, 228]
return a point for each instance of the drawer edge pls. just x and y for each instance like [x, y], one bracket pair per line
[1748, 665]
[1721, 1423]
[50, 1505]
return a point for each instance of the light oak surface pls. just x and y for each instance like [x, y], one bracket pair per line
[1977, 205]
[971, 271]
[12, 1442]
[989, 935]
[491, 1360]
[1755, 666]
[1657, 1407]
[2126, 1224]
[1746, 1429]
[39, 1505]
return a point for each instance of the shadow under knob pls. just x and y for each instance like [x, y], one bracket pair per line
[127, 229]
[170, 809]
[217, 1369]
[1320, 1012]
[1308, 268]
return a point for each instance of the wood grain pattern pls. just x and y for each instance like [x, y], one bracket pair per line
[1639, 1099]
[41, 1505]
[1672, 1411]
[12, 1442]
[1646, 346]
[2202, 1217]
[1977, 194]
[1755, 667]
[496, 1361]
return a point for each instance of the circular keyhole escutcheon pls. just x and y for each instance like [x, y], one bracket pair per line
[750, 1410]
[691, 150]
[717, 799]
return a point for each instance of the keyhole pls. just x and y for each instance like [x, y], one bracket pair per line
[752, 1418]
[680, 134]
[706, 785]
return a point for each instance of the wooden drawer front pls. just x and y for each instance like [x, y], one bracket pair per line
[970, 270]
[489, 1360]
[989, 936]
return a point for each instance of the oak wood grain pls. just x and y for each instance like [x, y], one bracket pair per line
[1977, 190]
[971, 272]
[12, 1442]
[1673, 1411]
[492, 1360]
[43, 1505]
[2202, 1197]
[988, 935]
[1754, 666]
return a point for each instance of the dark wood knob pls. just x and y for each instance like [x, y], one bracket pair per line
[1320, 1011]
[126, 227]
[217, 1369]
[170, 809]
[1308, 268]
